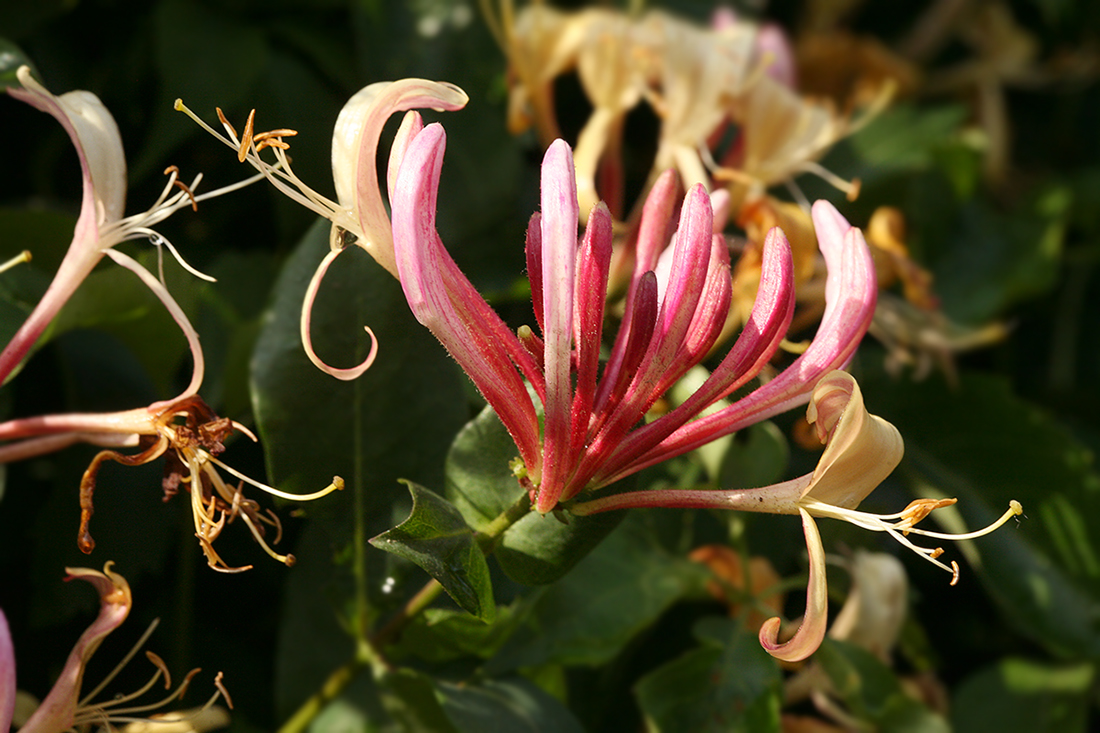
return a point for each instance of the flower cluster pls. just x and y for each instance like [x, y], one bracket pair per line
[676, 306]
[184, 427]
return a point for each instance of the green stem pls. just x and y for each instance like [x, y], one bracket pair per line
[329, 691]
[367, 650]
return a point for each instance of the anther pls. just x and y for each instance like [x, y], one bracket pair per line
[246, 137]
[228, 126]
[175, 171]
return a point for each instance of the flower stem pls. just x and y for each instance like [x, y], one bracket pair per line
[329, 691]
[367, 654]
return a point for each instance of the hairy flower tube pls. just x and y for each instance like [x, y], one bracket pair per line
[64, 708]
[861, 450]
[675, 309]
[358, 215]
[101, 224]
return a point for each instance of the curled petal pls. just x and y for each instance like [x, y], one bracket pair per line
[355, 147]
[177, 315]
[812, 629]
[56, 711]
[95, 137]
[862, 448]
[307, 315]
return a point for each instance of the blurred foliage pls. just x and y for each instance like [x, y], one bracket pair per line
[630, 638]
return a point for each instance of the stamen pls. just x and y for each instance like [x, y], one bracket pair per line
[125, 660]
[173, 171]
[221, 688]
[221, 117]
[246, 137]
[24, 256]
[900, 529]
[336, 485]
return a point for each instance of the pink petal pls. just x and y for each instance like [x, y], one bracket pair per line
[56, 711]
[759, 339]
[444, 301]
[853, 287]
[559, 256]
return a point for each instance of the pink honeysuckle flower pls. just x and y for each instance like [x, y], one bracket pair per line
[675, 308]
[64, 708]
[101, 224]
[861, 450]
[358, 215]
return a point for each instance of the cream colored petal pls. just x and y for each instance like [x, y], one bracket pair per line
[862, 448]
[876, 606]
[95, 136]
[355, 148]
[812, 629]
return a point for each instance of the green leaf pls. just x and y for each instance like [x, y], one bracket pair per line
[1043, 574]
[993, 260]
[504, 706]
[437, 538]
[11, 58]
[443, 635]
[728, 684]
[1022, 696]
[613, 594]
[410, 697]
[396, 421]
[537, 549]
[757, 456]
[903, 138]
[872, 692]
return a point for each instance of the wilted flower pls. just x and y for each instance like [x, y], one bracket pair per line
[64, 708]
[861, 450]
[358, 215]
[675, 308]
[189, 434]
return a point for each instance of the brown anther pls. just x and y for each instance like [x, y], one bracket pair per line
[274, 134]
[954, 572]
[173, 170]
[290, 560]
[223, 691]
[277, 524]
[273, 143]
[246, 137]
[160, 665]
[224, 121]
[936, 553]
[187, 681]
[919, 509]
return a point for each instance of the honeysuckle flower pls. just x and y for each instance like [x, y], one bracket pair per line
[861, 450]
[185, 431]
[675, 308]
[64, 708]
[358, 214]
[101, 224]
